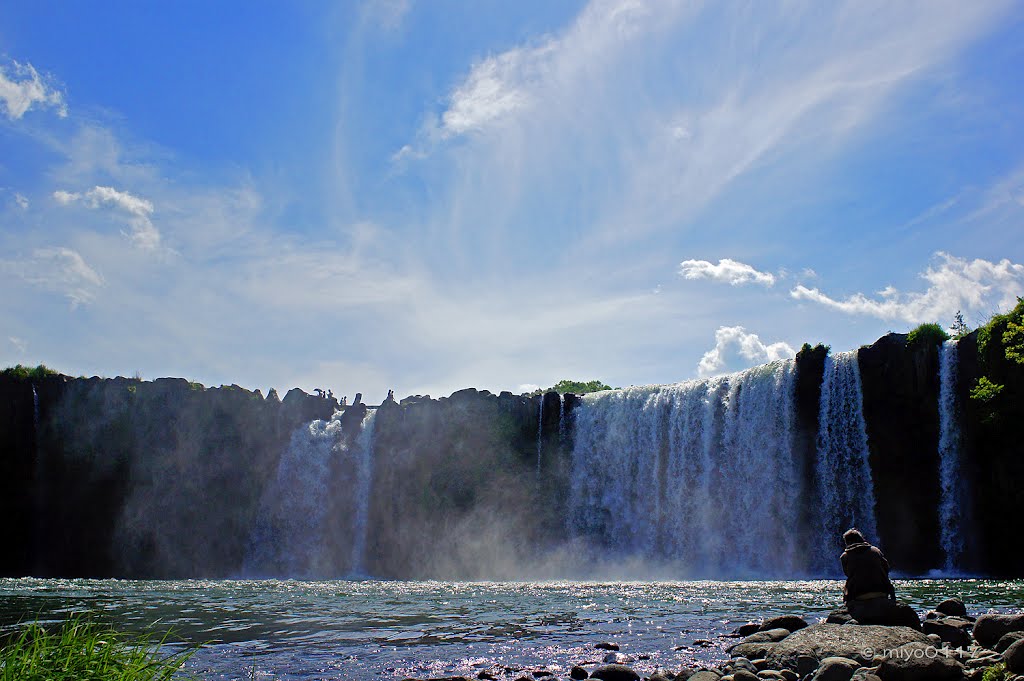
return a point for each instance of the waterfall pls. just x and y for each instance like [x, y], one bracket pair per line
[701, 474]
[540, 431]
[35, 410]
[950, 500]
[845, 495]
[364, 480]
[561, 420]
[312, 519]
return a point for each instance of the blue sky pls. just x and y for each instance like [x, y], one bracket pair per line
[426, 196]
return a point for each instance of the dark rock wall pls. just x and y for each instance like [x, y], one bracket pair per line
[163, 479]
[901, 411]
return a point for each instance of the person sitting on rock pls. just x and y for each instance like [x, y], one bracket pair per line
[866, 569]
[869, 594]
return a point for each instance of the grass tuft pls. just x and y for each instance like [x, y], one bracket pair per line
[81, 650]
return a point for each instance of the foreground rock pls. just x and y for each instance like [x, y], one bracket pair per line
[858, 643]
[1014, 657]
[919, 662]
[615, 672]
[990, 628]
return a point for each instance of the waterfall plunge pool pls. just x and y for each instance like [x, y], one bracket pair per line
[292, 630]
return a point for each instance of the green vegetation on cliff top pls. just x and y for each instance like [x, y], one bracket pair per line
[25, 373]
[575, 387]
[927, 334]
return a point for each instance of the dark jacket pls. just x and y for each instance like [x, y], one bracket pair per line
[866, 570]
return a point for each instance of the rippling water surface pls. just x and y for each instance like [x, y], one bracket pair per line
[374, 629]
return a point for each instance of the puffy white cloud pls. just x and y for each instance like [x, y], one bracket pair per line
[60, 270]
[736, 349]
[728, 271]
[971, 286]
[27, 89]
[143, 233]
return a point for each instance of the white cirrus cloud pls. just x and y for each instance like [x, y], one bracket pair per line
[59, 270]
[736, 348]
[727, 271]
[143, 233]
[976, 287]
[26, 88]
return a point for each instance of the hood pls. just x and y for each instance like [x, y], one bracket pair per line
[858, 547]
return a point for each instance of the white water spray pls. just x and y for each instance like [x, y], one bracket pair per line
[950, 500]
[701, 473]
[844, 487]
[364, 482]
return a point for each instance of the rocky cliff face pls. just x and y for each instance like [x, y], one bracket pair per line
[117, 477]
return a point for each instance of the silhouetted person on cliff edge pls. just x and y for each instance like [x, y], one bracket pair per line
[870, 596]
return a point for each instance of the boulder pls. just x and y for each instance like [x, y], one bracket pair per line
[747, 629]
[1007, 640]
[753, 651]
[744, 675]
[617, 658]
[788, 622]
[578, 673]
[1014, 657]
[919, 662]
[953, 630]
[753, 646]
[615, 672]
[805, 665]
[702, 675]
[840, 616]
[884, 611]
[988, 629]
[858, 643]
[771, 674]
[952, 607]
[835, 669]
[606, 645]
[789, 675]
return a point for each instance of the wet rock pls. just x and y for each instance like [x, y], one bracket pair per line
[487, 676]
[1007, 640]
[840, 616]
[953, 630]
[1014, 657]
[703, 675]
[541, 674]
[836, 640]
[617, 658]
[660, 677]
[757, 645]
[578, 673]
[952, 607]
[988, 629]
[744, 675]
[615, 672]
[934, 639]
[919, 662]
[806, 664]
[607, 645]
[788, 622]
[835, 669]
[748, 629]
[789, 675]
[760, 664]
[744, 663]
[771, 675]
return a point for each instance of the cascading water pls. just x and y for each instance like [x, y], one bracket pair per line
[305, 528]
[364, 479]
[701, 474]
[35, 409]
[844, 489]
[950, 500]
[540, 431]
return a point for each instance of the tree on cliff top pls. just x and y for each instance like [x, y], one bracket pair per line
[575, 387]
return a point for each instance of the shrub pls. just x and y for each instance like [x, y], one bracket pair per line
[927, 335]
[575, 387]
[82, 649]
[25, 373]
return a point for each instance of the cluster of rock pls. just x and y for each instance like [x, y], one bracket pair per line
[949, 645]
